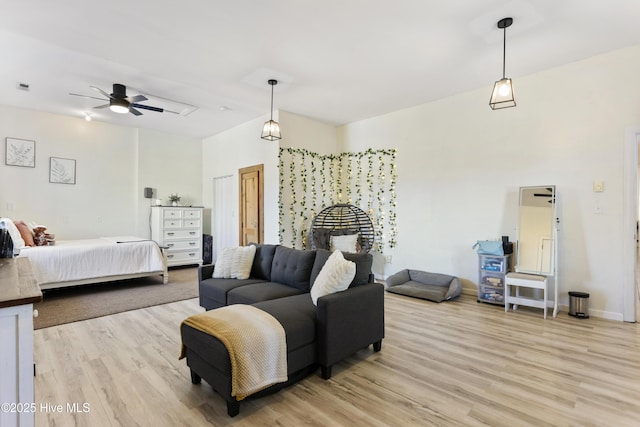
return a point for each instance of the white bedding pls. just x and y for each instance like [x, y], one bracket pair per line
[72, 260]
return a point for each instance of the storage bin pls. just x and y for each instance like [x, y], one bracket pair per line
[579, 305]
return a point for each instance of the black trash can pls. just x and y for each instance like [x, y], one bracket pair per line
[579, 305]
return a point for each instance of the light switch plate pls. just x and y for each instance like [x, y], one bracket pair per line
[598, 186]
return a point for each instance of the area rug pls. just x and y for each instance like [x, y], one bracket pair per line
[68, 305]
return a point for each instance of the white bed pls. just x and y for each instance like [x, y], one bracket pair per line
[78, 262]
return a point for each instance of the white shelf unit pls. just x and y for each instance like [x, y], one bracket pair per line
[492, 270]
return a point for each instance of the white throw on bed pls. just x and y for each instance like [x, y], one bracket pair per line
[73, 260]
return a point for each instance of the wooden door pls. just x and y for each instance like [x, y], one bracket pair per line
[251, 205]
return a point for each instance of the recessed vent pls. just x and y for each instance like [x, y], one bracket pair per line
[22, 86]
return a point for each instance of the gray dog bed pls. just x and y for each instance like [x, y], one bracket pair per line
[420, 284]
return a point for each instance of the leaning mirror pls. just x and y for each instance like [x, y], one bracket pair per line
[536, 245]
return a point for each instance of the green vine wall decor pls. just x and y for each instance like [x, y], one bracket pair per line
[316, 181]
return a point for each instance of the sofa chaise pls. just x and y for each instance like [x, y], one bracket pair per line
[279, 284]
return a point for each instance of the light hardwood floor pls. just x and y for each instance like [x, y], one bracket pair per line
[457, 363]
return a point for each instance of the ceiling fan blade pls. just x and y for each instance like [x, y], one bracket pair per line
[134, 111]
[137, 98]
[102, 106]
[148, 107]
[87, 96]
[101, 91]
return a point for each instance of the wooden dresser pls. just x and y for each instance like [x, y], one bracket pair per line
[18, 292]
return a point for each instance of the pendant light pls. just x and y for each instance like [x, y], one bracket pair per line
[271, 129]
[502, 95]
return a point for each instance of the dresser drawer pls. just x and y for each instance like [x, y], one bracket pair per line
[191, 223]
[180, 234]
[172, 223]
[173, 257]
[191, 213]
[183, 244]
[172, 213]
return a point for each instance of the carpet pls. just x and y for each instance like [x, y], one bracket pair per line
[68, 305]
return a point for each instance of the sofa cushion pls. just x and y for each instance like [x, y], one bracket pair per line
[297, 315]
[363, 262]
[258, 292]
[292, 267]
[216, 289]
[262, 261]
[335, 276]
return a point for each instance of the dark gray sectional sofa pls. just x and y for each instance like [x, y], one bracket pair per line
[279, 283]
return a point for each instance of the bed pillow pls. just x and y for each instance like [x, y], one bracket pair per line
[335, 276]
[234, 263]
[18, 241]
[25, 233]
[345, 243]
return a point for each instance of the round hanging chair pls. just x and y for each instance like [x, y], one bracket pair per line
[338, 220]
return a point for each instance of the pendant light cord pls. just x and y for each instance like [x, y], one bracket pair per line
[272, 85]
[504, 54]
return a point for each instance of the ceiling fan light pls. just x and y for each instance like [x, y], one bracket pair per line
[119, 106]
[502, 95]
[271, 131]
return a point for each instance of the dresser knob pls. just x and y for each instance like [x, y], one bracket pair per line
[35, 313]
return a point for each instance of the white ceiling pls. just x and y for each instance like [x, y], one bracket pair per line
[338, 60]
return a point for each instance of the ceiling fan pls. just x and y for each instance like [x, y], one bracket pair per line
[120, 103]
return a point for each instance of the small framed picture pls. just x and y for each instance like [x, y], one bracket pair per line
[20, 152]
[62, 171]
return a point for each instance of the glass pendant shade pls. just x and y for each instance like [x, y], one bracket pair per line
[502, 95]
[271, 128]
[271, 131]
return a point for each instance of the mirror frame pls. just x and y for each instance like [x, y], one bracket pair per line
[552, 253]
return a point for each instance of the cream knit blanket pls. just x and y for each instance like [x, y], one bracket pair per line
[255, 341]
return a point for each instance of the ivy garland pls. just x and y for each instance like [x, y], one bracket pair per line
[334, 176]
[280, 199]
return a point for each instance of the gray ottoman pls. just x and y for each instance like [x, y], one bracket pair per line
[208, 359]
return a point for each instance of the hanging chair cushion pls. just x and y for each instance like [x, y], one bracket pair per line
[421, 284]
[322, 236]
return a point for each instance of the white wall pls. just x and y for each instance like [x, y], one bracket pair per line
[303, 132]
[236, 148]
[113, 164]
[169, 164]
[460, 165]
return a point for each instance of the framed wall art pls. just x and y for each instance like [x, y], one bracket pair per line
[62, 171]
[20, 152]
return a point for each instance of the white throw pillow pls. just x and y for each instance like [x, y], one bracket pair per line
[234, 263]
[222, 268]
[336, 275]
[242, 262]
[345, 243]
